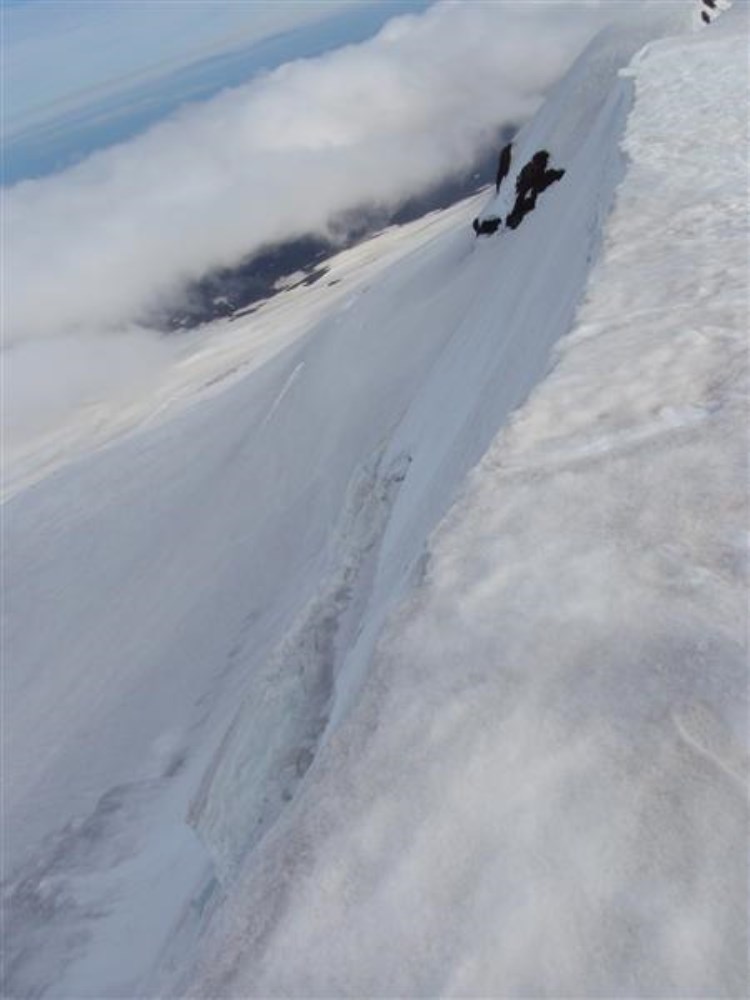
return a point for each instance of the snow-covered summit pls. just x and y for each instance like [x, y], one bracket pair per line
[269, 708]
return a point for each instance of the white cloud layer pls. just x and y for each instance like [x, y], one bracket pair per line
[95, 247]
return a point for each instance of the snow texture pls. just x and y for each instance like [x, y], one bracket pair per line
[265, 726]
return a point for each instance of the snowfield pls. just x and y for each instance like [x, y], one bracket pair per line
[389, 644]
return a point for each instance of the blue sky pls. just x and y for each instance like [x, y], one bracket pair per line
[83, 74]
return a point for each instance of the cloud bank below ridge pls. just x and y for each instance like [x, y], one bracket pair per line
[96, 247]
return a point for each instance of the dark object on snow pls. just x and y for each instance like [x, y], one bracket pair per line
[705, 16]
[487, 226]
[532, 180]
[503, 165]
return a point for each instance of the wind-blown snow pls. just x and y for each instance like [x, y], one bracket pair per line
[531, 782]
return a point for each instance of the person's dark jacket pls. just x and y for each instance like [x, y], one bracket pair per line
[535, 177]
[531, 181]
[503, 165]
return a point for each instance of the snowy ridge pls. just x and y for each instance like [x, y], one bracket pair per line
[497, 348]
[565, 125]
[543, 788]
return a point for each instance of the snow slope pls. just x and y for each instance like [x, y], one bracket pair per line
[543, 788]
[191, 702]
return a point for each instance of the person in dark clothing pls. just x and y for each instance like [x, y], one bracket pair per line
[503, 165]
[705, 16]
[532, 180]
[486, 227]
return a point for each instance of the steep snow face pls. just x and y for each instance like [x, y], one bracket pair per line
[146, 588]
[542, 790]
[563, 126]
[495, 309]
[184, 370]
